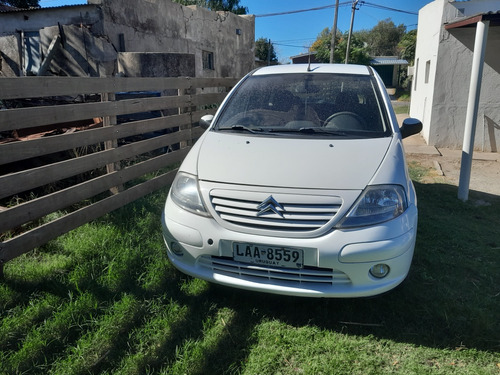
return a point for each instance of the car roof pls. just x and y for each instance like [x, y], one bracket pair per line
[314, 68]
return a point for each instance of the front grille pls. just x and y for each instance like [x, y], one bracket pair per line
[310, 276]
[296, 213]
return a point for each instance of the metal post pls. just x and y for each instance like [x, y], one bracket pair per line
[334, 31]
[354, 4]
[269, 52]
[472, 108]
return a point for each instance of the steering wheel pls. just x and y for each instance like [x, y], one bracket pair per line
[259, 118]
[346, 121]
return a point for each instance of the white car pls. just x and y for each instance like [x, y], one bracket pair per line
[299, 186]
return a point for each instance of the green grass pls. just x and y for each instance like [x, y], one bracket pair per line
[103, 299]
[402, 109]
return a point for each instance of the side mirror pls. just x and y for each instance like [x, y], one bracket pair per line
[410, 126]
[205, 121]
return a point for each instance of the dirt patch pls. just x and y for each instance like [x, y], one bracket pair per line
[485, 174]
[443, 165]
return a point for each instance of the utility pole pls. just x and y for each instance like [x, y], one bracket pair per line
[269, 52]
[354, 4]
[334, 30]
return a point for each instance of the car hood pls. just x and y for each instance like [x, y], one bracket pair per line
[290, 162]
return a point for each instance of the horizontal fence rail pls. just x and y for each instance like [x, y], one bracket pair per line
[74, 149]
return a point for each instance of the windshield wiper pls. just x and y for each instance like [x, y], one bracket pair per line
[314, 130]
[243, 128]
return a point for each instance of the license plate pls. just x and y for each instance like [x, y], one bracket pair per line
[265, 255]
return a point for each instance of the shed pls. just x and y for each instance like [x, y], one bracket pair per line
[304, 58]
[388, 68]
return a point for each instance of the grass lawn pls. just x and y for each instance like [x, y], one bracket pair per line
[104, 299]
[402, 109]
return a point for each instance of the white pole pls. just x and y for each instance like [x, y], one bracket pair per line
[472, 108]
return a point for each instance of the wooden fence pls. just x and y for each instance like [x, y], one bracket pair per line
[117, 140]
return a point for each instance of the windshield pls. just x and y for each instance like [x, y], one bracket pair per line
[306, 104]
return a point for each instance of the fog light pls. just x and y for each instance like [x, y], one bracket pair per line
[176, 248]
[379, 270]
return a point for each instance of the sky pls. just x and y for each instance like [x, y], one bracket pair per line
[291, 34]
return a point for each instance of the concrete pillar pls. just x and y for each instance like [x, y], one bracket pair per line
[472, 108]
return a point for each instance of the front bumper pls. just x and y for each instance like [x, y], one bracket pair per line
[336, 264]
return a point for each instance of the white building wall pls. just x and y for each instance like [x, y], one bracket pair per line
[428, 36]
[441, 104]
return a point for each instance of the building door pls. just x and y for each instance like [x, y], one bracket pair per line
[31, 53]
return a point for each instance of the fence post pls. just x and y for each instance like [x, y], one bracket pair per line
[181, 92]
[112, 143]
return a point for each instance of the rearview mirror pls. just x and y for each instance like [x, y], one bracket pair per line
[410, 126]
[205, 121]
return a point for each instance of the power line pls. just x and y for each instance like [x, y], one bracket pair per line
[288, 45]
[389, 8]
[300, 10]
[296, 40]
[345, 3]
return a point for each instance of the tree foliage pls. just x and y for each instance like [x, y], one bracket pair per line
[407, 46]
[384, 37]
[232, 6]
[262, 48]
[321, 47]
[358, 53]
[23, 4]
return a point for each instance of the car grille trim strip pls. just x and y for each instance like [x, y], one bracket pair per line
[273, 223]
[311, 275]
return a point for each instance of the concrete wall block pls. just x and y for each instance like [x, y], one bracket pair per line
[451, 92]
[82, 54]
[442, 102]
[35, 19]
[9, 56]
[132, 64]
[164, 26]
[157, 26]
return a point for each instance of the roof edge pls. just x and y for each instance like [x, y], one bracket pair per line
[472, 20]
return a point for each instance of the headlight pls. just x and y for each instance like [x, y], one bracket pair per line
[185, 193]
[376, 205]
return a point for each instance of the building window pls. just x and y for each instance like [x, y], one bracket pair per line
[208, 60]
[427, 70]
[415, 78]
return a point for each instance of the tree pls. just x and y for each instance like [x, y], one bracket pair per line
[322, 45]
[232, 6]
[262, 48]
[23, 4]
[384, 37]
[407, 46]
[357, 55]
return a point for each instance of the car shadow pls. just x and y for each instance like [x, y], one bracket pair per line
[449, 299]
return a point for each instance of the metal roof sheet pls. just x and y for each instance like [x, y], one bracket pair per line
[388, 61]
[9, 9]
